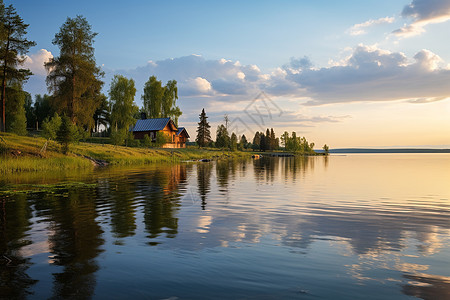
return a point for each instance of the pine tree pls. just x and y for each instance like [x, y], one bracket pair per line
[203, 133]
[13, 48]
[74, 78]
[222, 137]
[65, 134]
[233, 142]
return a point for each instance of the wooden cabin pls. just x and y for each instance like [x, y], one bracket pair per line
[177, 136]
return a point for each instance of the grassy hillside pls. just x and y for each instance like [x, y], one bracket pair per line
[19, 153]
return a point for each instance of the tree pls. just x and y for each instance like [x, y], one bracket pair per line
[102, 113]
[169, 107]
[256, 141]
[222, 137]
[243, 143]
[15, 109]
[66, 133]
[153, 97]
[73, 76]
[160, 101]
[203, 133]
[326, 149]
[268, 140]
[233, 142]
[13, 48]
[273, 140]
[121, 95]
[29, 110]
[42, 109]
[263, 142]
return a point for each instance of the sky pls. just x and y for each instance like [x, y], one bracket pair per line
[341, 73]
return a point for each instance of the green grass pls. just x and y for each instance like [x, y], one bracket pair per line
[22, 153]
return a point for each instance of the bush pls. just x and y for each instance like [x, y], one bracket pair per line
[51, 126]
[147, 141]
[118, 136]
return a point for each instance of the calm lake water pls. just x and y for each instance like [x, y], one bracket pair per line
[372, 226]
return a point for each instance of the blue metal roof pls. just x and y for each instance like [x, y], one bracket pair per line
[151, 124]
[180, 129]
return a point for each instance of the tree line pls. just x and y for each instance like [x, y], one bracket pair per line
[74, 81]
[262, 141]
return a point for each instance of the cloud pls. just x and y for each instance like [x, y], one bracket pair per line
[35, 62]
[422, 13]
[360, 29]
[199, 77]
[372, 74]
[366, 73]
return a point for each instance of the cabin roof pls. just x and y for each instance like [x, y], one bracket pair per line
[151, 124]
[180, 129]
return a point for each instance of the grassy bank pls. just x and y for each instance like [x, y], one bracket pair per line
[19, 154]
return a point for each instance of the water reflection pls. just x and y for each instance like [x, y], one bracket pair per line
[271, 213]
[15, 283]
[203, 181]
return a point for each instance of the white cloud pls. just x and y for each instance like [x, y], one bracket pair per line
[35, 62]
[372, 74]
[422, 13]
[359, 29]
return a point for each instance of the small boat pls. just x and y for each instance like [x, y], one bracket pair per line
[256, 156]
[204, 160]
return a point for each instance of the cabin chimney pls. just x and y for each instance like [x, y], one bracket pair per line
[143, 116]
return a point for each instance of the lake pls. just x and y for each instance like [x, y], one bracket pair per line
[372, 226]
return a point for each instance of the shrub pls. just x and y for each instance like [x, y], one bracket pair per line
[51, 126]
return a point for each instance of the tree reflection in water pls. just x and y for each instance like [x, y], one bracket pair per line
[15, 283]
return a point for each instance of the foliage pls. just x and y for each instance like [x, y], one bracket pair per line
[256, 141]
[102, 115]
[121, 94]
[147, 141]
[160, 101]
[222, 137]
[73, 77]
[233, 142]
[118, 136]
[326, 149]
[203, 133]
[161, 139]
[297, 144]
[51, 126]
[16, 121]
[42, 109]
[243, 143]
[66, 133]
[13, 48]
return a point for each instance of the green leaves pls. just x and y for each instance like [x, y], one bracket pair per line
[121, 95]
[74, 78]
[160, 101]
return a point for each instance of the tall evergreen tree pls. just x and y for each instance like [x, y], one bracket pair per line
[273, 140]
[233, 142]
[243, 142]
[256, 141]
[263, 142]
[73, 76]
[203, 133]
[13, 47]
[222, 137]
